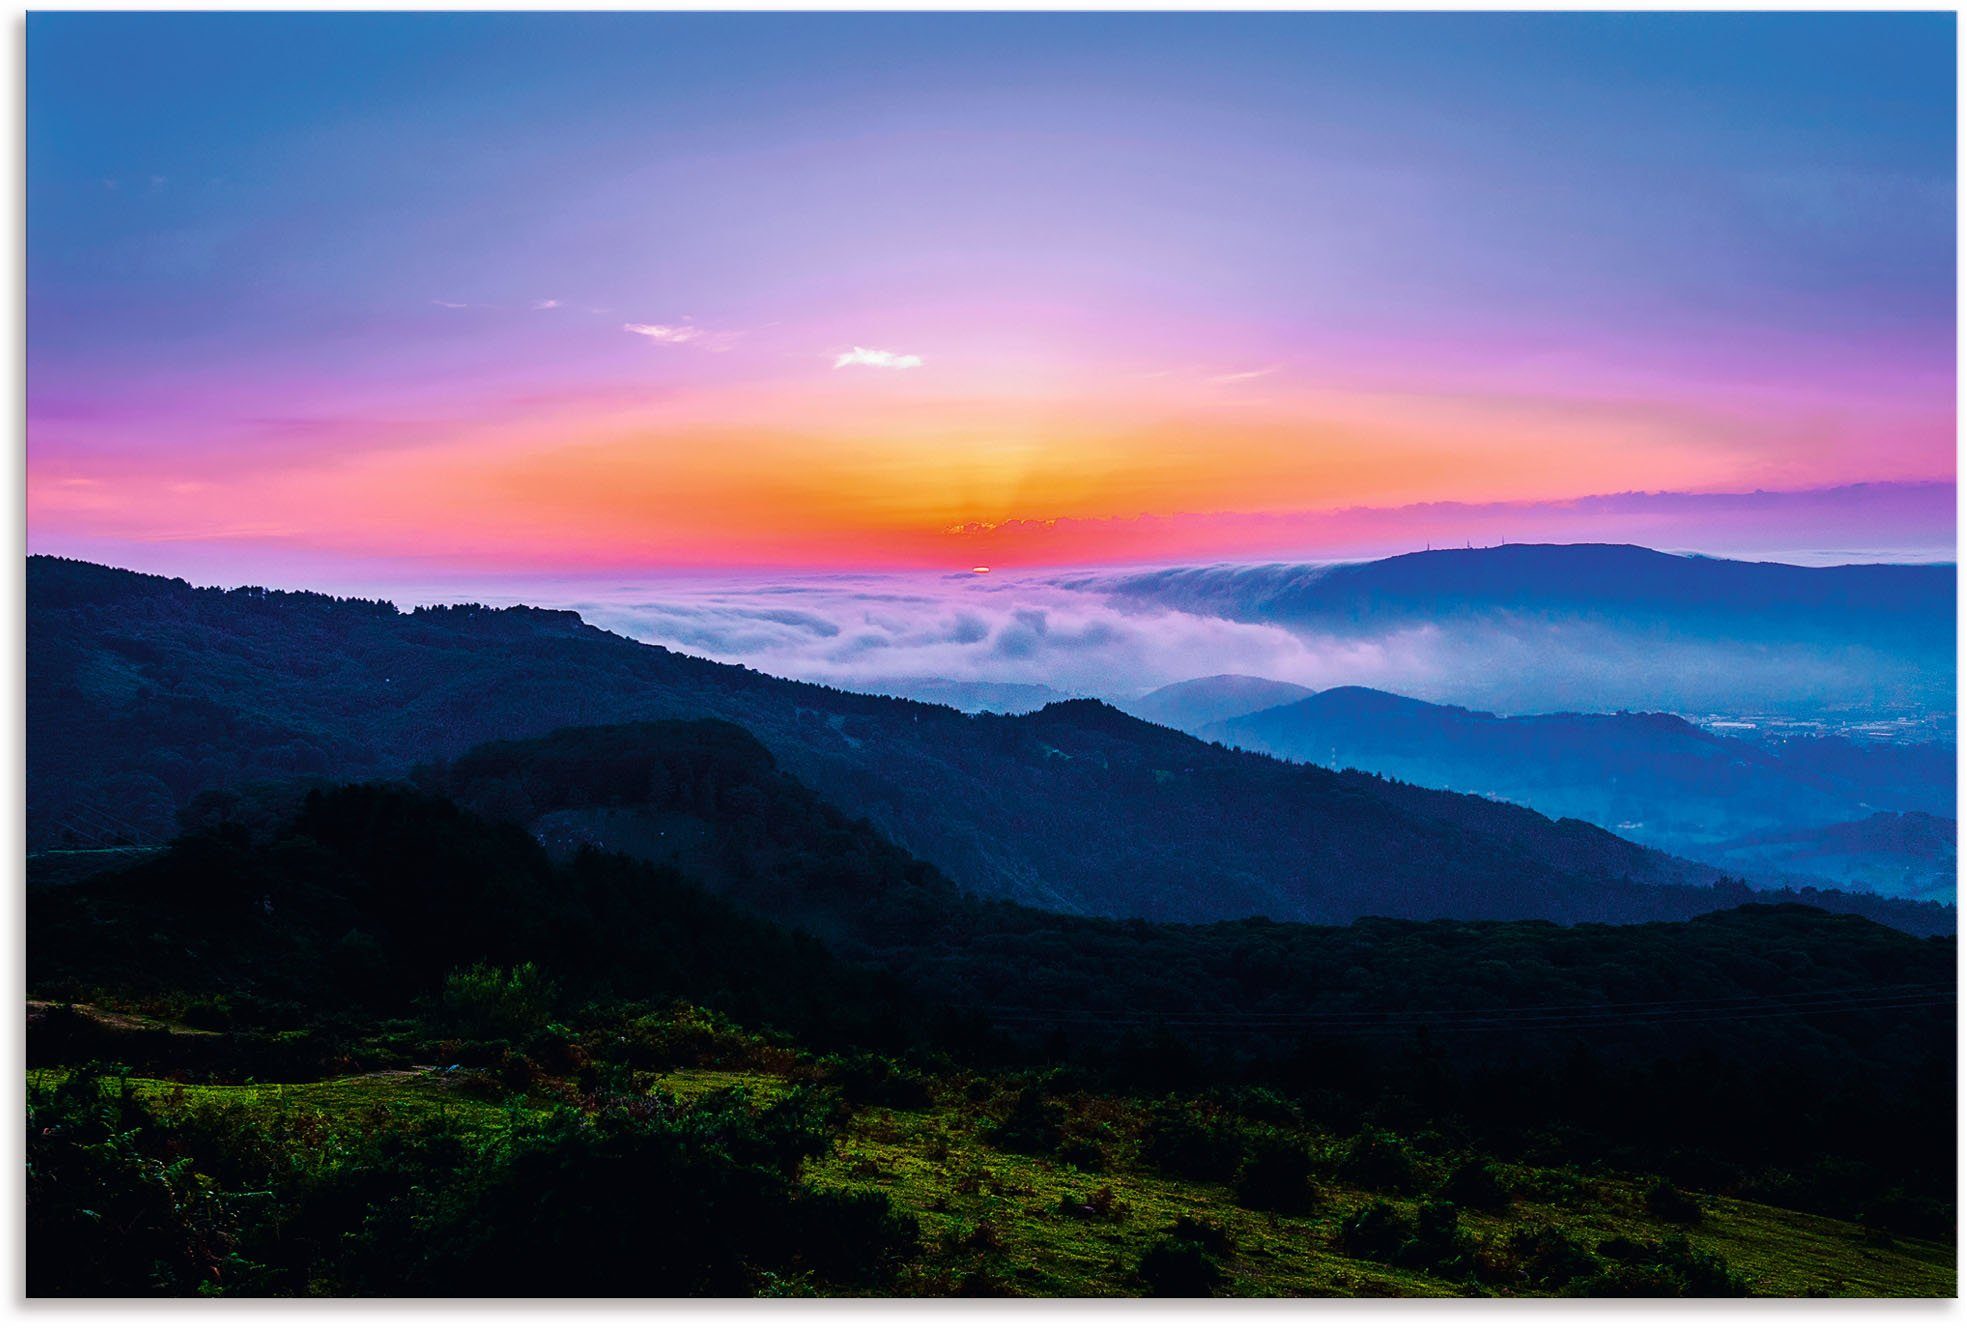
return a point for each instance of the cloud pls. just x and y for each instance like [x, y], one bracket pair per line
[1100, 636]
[450, 304]
[877, 359]
[1246, 375]
[663, 332]
[867, 631]
[546, 304]
[684, 333]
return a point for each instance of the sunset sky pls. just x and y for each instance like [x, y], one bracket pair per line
[632, 292]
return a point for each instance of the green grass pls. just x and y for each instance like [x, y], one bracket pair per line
[935, 1165]
[686, 1085]
[410, 1093]
[1006, 1218]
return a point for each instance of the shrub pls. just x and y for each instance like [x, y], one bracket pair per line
[490, 1002]
[105, 1215]
[1672, 1205]
[1101, 1205]
[1085, 1154]
[1265, 1106]
[1475, 1183]
[1181, 1141]
[1275, 1175]
[872, 1080]
[682, 1035]
[1031, 1125]
[1910, 1215]
[1376, 1160]
[646, 1198]
[1196, 1231]
[1173, 1267]
[1546, 1257]
[1674, 1267]
[853, 1238]
[1438, 1244]
[1374, 1232]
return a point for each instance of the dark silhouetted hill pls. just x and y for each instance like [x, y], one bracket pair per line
[1650, 777]
[144, 692]
[1199, 702]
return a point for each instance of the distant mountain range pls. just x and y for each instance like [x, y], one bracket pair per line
[1525, 627]
[1194, 705]
[1654, 778]
[144, 692]
[1003, 698]
[1909, 854]
[1611, 580]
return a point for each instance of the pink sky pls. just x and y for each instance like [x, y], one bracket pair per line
[522, 294]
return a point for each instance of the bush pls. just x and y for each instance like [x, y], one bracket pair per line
[1674, 1267]
[876, 1081]
[1431, 1241]
[1183, 1142]
[1438, 1245]
[1476, 1184]
[644, 1197]
[1909, 1215]
[1672, 1205]
[1546, 1257]
[1198, 1232]
[1276, 1175]
[1376, 1160]
[1263, 1105]
[853, 1238]
[1102, 1205]
[1083, 1153]
[1174, 1267]
[489, 1002]
[107, 1215]
[1033, 1124]
[1374, 1232]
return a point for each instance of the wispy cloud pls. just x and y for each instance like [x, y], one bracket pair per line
[684, 334]
[546, 304]
[450, 304]
[666, 333]
[1246, 375]
[877, 359]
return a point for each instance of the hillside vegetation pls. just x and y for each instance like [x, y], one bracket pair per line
[373, 1041]
[144, 693]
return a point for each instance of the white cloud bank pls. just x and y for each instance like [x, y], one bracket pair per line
[684, 334]
[864, 631]
[876, 359]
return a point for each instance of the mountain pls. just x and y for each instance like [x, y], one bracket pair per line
[144, 692]
[1004, 698]
[598, 851]
[1525, 627]
[1199, 702]
[1653, 778]
[1607, 579]
[360, 1039]
[1912, 855]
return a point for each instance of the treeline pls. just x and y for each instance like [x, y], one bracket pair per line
[1773, 1051]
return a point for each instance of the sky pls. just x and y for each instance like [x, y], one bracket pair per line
[350, 297]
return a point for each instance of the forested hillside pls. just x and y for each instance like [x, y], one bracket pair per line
[1655, 778]
[946, 1092]
[144, 692]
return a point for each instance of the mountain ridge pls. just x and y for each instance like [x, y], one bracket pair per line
[143, 691]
